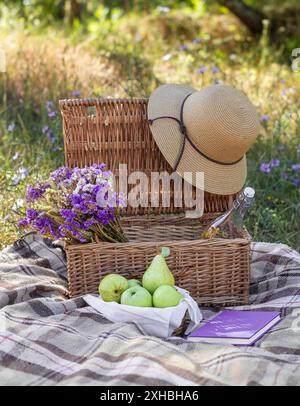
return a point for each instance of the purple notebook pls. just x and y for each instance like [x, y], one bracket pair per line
[235, 327]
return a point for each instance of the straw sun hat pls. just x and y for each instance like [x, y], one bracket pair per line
[205, 131]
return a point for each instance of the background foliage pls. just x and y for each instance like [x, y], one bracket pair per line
[63, 49]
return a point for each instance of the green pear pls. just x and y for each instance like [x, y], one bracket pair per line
[112, 286]
[158, 272]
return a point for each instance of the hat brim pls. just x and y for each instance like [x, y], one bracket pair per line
[220, 179]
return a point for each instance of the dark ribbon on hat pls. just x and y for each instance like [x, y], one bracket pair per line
[186, 137]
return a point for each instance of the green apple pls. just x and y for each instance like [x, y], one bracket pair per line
[166, 296]
[112, 286]
[136, 296]
[133, 282]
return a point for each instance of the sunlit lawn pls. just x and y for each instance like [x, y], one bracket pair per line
[129, 57]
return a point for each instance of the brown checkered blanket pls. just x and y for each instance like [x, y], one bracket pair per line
[46, 339]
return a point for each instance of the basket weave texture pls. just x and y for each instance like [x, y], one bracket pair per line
[114, 131]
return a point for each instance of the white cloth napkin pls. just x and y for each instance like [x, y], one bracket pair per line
[159, 322]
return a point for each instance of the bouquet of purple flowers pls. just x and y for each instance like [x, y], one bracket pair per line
[77, 205]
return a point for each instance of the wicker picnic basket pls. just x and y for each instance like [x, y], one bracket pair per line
[114, 131]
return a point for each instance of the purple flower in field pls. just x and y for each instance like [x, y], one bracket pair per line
[76, 93]
[265, 118]
[296, 182]
[282, 81]
[40, 157]
[265, 168]
[166, 57]
[16, 180]
[201, 70]
[51, 137]
[21, 175]
[183, 47]
[6, 218]
[49, 133]
[196, 40]
[162, 9]
[11, 127]
[52, 114]
[284, 176]
[215, 69]
[49, 104]
[23, 172]
[280, 148]
[296, 167]
[274, 163]
[45, 129]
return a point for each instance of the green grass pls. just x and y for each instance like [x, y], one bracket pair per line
[126, 57]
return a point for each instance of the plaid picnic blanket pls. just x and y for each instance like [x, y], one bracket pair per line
[46, 339]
